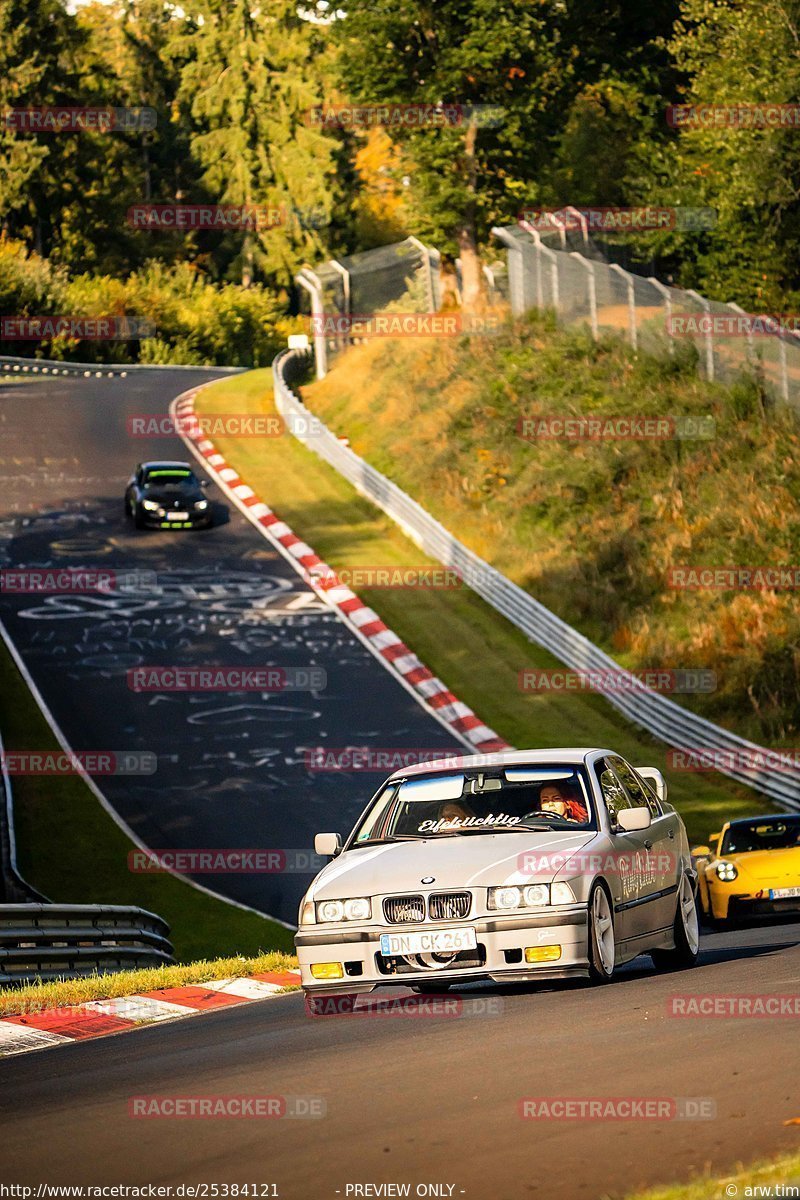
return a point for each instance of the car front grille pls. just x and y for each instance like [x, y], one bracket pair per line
[442, 906]
[449, 906]
[401, 910]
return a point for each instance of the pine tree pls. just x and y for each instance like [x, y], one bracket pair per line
[249, 88]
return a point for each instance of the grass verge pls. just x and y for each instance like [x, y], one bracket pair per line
[462, 639]
[60, 993]
[782, 1170]
[69, 848]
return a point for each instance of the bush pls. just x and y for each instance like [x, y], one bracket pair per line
[196, 322]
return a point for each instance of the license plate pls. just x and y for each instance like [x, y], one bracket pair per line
[177, 516]
[432, 941]
[784, 893]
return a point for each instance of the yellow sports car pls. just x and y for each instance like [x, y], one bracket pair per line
[751, 869]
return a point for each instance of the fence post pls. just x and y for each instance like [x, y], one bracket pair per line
[551, 254]
[784, 367]
[426, 254]
[584, 224]
[516, 269]
[307, 279]
[706, 307]
[591, 291]
[631, 301]
[664, 290]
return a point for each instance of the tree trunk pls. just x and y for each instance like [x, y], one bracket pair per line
[473, 291]
[247, 261]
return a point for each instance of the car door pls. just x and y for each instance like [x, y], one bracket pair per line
[659, 865]
[620, 872]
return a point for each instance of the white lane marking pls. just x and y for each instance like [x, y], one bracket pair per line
[16, 1039]
[249, 989]
[140, 1008]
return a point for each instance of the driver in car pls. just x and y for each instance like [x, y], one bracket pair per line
[561, 799]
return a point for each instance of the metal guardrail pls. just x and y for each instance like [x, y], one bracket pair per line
[652, 711]
[45, 366]
[48, 941]
[13, 888]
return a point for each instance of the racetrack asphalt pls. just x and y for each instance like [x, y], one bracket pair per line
[425, 1099]
[231, 769]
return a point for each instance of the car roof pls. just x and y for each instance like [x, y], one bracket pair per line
[763, 817]
[571, 755]
[166, 466]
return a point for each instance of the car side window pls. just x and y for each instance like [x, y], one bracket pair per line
[139, 475]
[638, 793]
[614, 795]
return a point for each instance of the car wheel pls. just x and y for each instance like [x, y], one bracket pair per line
[138, 519]
[686, 932]
[602, 944]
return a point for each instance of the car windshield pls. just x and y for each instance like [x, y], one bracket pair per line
[776, 833]
[169, 478]
[514, 799]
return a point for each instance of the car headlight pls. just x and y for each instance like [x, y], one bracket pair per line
[200, 505]
[537, 895]
[359, 909]
[151, 505]
[727, 871]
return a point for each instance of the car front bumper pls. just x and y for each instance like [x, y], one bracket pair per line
[194, 521]
[502, 940]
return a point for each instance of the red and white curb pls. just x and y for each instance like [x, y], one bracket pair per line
[97, 1018]
[387, 647]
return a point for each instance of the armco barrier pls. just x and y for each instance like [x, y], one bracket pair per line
[11, 364]
[652, 711]
[46, 941]
[13, 888]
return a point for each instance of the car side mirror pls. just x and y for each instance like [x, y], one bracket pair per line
[701, 852]
[203, 483]
[654, 777]
[328, 845]
[630, 820]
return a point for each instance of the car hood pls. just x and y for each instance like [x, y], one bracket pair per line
[477, 860]
[769, 866]
[172, 499]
